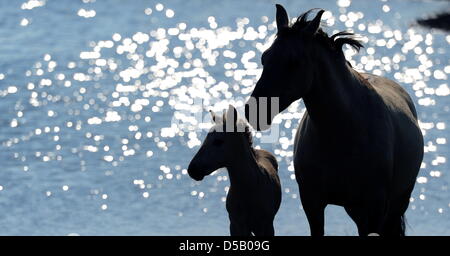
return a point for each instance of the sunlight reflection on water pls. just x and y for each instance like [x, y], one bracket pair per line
[94, 133]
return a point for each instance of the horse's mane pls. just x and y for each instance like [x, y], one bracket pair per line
[248, 134]
[335, 41]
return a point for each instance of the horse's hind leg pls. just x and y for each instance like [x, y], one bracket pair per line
[394, 225]
[395, 222]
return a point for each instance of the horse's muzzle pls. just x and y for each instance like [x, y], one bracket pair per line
[194, 173]
[255, 121]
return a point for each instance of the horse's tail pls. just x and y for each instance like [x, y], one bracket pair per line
[395, 226]
[402, 225]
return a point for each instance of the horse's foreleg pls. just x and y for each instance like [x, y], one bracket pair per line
[315, 213]
[315, 216]
[358, 216]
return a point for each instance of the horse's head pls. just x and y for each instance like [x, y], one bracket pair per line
[288, 66]
[291, 64]
[219, 147]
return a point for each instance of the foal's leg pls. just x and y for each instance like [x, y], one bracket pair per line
[270, 231]
[239, 228]
[266, 229]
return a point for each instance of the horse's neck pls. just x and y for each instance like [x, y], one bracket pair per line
[335, 93]
[243, 167]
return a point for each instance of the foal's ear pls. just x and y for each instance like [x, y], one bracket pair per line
[282, 17]
[232, 114]
[213, 115]
[314, 25]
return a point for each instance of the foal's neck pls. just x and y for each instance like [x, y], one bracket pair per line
[243, 165]
[336, 92]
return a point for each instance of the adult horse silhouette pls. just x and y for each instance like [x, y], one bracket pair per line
[358, 145]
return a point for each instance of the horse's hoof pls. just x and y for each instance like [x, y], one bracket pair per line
[373, 234]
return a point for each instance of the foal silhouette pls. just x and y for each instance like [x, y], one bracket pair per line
[254, 196]
[359, 144]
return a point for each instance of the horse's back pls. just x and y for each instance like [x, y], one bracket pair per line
[266, 158]
[394, 96]
[268, 162]
[389, 124]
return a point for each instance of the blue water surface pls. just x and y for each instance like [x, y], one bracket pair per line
[93, 94]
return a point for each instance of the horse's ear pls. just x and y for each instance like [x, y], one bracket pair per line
[314, 25]
[282, 17]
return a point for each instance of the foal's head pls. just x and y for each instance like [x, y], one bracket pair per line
[291, 62]
[219, 147]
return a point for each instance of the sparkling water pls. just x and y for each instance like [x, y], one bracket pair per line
[98, 102]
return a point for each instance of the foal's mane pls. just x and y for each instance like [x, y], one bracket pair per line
[239, 126]
[334, 42]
